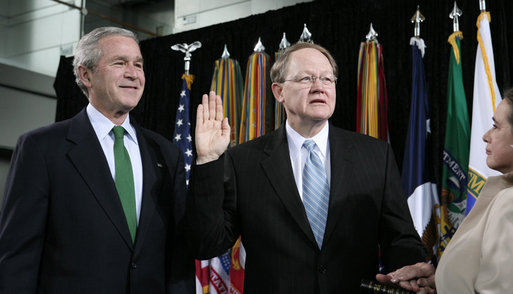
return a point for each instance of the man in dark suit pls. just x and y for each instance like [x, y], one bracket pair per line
[78, 219]
[313, 216]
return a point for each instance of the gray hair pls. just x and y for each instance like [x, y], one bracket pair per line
[280, 66]
[88, 52]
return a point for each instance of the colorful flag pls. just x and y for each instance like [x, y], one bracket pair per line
[279, 111]
[372, 100]
[237, 268]
[219, 281]
[255, 106]
[456, 149]
[227, 82]
[486, 99]
[417, 181]
[182, 134]
[182, 138]
[202, 276]
[255, 109]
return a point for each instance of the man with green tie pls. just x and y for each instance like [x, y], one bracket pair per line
[95, 204]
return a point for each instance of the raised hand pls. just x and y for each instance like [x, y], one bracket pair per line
[212, 130]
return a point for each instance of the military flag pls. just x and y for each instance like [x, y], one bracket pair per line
[227, 82]
[486, 98]
[416, 178]
[256, 118]
[456, 149]
[372, 100]
[279, 111]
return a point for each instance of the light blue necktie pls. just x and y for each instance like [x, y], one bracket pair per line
[316, 192]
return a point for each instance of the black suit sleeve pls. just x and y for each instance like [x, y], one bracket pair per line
[212, 213]
[179, 258]
[399, 241]
[23, 218]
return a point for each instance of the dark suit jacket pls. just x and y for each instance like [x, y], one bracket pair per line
[62, 227]
[367, 212]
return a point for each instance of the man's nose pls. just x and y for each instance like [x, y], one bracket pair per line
[130, 71]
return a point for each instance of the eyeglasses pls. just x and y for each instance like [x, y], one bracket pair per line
[308, 80]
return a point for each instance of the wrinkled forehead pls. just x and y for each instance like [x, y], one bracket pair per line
[310, 61]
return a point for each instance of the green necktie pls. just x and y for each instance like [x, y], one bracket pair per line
[125, 179]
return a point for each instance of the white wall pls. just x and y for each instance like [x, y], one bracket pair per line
[33, 33]
[27, 101]
[21, 112]
[194, 14]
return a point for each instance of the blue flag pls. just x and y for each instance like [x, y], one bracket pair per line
[422, 193]
[182, 134]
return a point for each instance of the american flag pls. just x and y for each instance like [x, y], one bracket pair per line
[182, 134]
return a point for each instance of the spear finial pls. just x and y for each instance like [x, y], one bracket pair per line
[284, 43]
[455, 16]
[225, 54]
[259, 47]
[306, 36]
[417, 19]
[372, 35]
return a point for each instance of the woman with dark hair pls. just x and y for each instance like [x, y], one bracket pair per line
[479, 257]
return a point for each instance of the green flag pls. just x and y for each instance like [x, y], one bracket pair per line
[456, 150]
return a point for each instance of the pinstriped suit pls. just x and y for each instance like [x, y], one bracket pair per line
[251, 191]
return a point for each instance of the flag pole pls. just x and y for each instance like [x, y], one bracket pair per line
[455, 16]
[417, 19]
[279, 112]
[482, 5]
[187, 49]
[417, 180]
[453, 197]
[182, 138]
[486, 98]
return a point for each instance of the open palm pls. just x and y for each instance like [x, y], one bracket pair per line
[212, 129]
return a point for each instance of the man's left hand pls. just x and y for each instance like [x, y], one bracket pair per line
[419, 278]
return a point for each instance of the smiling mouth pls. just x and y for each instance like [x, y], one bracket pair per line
[129, 87]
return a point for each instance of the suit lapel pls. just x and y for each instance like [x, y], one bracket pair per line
[151, 177]
[341, 165]
[88, 158]
[278, 169]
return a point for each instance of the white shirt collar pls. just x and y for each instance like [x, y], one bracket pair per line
[103, 126]
[296, 141]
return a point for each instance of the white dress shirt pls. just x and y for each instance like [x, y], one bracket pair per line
[298, 154]
[103, 128]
